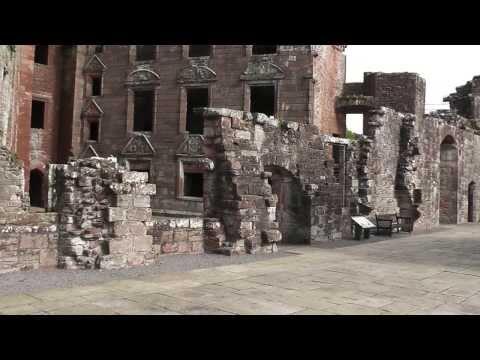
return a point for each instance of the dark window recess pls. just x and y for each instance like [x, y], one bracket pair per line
[338, 153]
[264, 49]
[36, 188]
[417, 196]
[262, 100]
[98, 49]
[143, 111]
[193, 184]
[140, 166]
[196, 98]
[199, 50]
[41, 54]
[145, 52]
[38, 114]
[96, 86]
[93, 133]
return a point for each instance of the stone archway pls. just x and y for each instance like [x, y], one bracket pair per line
[36, 186]
[471, 202]
[291, 211]
[448, 207]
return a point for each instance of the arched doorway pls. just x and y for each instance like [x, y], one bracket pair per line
[448, 181]
[471, 202]
[291, 212]
[36, 188]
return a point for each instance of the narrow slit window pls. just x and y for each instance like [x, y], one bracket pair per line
[264, 49]
[96, 86]
[196, 98]
[41, 54]
[38, 115]
[146, 52]
[94, 131]
[193, 185]
[199, 50]
[143, 111]
[262, 100]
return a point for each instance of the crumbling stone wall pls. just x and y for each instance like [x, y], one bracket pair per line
[104, 211]
[239, 202]
[28, 241]
[176, 235]
[8, 72]
[12, 182]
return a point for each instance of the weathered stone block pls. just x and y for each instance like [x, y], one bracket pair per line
[116, 214]
[141, 201]
[123, 200]
[139, 214]
[142, 242]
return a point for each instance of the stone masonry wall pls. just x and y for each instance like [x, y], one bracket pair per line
[176, 235]
[104, 211]
[247, 149]
[8, 72]
[28, 242]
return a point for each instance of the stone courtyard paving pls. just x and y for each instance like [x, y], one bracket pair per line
[436, 273]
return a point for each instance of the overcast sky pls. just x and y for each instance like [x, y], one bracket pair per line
[444, 67]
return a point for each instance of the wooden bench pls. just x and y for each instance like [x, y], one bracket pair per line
[387, 223]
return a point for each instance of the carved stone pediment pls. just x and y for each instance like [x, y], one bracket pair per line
[192, 146]
[199, 163]
[139, 145]
[89, 151]
[196, 73]
[92, 110]
[262, 68]
[94, 66]
[142, 75]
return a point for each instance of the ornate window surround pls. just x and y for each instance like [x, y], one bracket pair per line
[135, 82]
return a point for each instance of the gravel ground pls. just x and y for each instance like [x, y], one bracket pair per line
[38, 280]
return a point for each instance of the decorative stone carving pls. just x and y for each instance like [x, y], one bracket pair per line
[92, 110]
[192, 146]
[89, 151]
[138, 145]
[196, 73]
[142, 75]
[200, 163]
[262, 68]
[94, 66]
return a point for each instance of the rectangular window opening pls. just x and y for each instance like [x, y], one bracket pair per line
[262, 100]
[38, 114]
[96, 86]
[196, 98]
[145, 52]
[264, 49]
[41, 54]
[143, 110]
[93, 133]
[199, 50]
[193, 185]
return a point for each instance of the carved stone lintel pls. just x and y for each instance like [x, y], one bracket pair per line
[142, 75]
[139, 145]
[196, 73]
[262, 68]
[192, 146]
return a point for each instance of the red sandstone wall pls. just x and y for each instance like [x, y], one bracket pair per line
[228, 91]
[329, 76]
[24, 102]
[47, 86]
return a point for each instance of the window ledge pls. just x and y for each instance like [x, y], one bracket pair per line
[190, 198]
